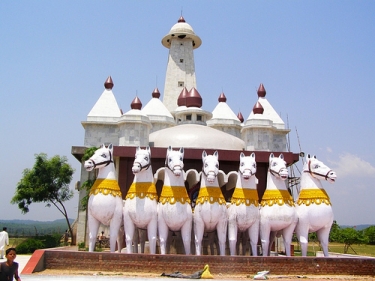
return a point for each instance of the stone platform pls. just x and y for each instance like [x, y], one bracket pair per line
[63, 259]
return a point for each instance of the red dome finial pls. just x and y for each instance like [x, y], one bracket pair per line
[240, 117]
[222, 98]
[261, 91]
[181, 100]
[193, 99]
[181, 19]
[108, 84]
[136, 104]
[258, 108]
[156, 93]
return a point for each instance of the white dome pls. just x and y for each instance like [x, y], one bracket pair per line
[195, 136]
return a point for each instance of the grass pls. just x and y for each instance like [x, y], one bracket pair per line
[362, 250]
[14, 242]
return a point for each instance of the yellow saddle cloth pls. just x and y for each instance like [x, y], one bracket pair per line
[211, 195]
[106, 187]
[313, 196]
[279, 197]
[142, 190]
[173, 194]
[245, 196]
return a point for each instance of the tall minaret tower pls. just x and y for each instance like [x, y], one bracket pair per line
[181, 41]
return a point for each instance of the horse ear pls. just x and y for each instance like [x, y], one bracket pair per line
[216, 154]
[148, 150]
[110, 146]
[204, 154]
[281, 156]
[242, 155]
[271, 156]
[138, 148]
[102, 145]
[182, 150]
[252, 155]
[314, 156]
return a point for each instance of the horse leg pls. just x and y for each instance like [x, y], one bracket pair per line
[303, 237]
[114, 228]
[186, 235]
[222, 235]
[152, 230]
[93, 231]
[198, 234]
[265, 234]
[129, 234]
[287, 238]
[163, 234]
[323, 236]
[253, 232]
[232, 235]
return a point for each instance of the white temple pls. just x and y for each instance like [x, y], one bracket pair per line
[178, 120]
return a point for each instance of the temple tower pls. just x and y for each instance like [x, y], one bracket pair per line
[181, 41]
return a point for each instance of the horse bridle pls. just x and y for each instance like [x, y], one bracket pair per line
[274, 173]
[104, 162]
[315, 173]
[251, 172]
[146, 166]
[204, 173]
[166, 165]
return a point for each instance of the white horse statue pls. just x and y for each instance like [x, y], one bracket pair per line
[141, 203]
[174, 209]
[313, 205]
[243, 212]
[105, 201]
[277, 212]
[210, 212]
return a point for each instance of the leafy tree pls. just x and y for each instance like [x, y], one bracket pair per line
[350, 236]
[91, 179]
[335, 232]
[370, 233]
[48, 182]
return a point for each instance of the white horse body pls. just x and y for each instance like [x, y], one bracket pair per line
[210, 212]
[174, 209]
[277, 212]
[105, 202]
[313, 205]
[243, 212]
[140, 208]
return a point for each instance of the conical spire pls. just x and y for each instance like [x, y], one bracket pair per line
[240, 117]
[108, 84]
[258, 108]
[181, 101]
[156, 93]
[261, 91]
[193, 99]
[136, 104]
[222, 98]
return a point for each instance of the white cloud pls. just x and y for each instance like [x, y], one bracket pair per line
[350, 165]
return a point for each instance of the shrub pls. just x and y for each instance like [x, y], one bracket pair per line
[39, 242]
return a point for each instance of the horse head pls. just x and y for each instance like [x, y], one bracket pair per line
[318, 169]
[248, 166]
[101, 158]
[210, 165]
[175, 161]
[277, 166]
[142, 160]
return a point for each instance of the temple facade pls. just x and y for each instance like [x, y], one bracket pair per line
[178, 120]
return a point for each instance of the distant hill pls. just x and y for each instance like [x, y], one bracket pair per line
[32, 227]
[357, 227]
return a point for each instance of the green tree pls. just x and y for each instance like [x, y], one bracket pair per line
[335, 232]
[350, 236]
[370, 233]
[91, 179]
[48, 182]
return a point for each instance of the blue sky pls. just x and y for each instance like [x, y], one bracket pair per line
[315, 58]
